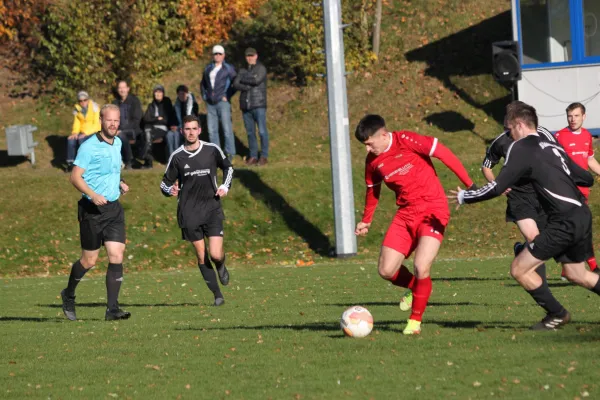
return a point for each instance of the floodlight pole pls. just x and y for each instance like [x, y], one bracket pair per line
[341, 167]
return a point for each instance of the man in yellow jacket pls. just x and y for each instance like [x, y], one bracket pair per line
[86, 122]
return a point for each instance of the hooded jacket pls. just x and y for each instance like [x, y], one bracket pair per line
[89, 123]
[223, 83]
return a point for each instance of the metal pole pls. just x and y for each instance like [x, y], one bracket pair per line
[377, 30]
[341, 167]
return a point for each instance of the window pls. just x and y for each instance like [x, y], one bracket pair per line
[558, 32]
[591, 34]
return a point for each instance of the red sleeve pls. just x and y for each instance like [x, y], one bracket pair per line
[373, 191]
[420, 144]
[591, 149]
[446, 156]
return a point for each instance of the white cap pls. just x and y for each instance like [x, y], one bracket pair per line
[218, 49]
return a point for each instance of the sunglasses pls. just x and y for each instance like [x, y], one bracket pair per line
[217, 54]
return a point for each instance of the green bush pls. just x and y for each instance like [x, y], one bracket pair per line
[289, 37]
[89, 44]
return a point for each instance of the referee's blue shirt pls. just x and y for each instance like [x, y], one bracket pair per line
[102, 164]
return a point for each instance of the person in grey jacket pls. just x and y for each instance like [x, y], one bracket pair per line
[252, 83]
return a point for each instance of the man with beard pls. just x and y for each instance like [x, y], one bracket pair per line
[191, 175]
[97, 175]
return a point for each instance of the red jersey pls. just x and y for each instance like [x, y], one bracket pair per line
[578, 145]
[406, 168]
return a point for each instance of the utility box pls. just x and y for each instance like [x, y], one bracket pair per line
[19, 139]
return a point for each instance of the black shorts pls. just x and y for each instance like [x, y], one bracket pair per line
[100, 224]
[566, 238]
[521, 206]
[212, 227]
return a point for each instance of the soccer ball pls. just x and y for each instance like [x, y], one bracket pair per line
[357, 322]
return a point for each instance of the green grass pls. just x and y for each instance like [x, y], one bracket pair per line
[278, 337]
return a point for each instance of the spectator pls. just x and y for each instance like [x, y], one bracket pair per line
[252, 82]
[217, 89]
[184, 105]
[86, 122]
[159, 117]
[131, 117]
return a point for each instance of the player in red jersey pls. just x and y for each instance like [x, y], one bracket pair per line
[402, 160]
[577, 142]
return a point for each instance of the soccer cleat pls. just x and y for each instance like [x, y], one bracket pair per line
[68, 306]
[551, 323]
[518, 248]
[412, 328]
[223, 275]
[219, 301]
[113, 315]
[406, 301]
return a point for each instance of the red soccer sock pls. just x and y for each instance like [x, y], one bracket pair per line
[403, 278]
[592, 263]
[421, 293]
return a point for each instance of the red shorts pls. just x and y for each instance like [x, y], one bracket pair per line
[408, 226]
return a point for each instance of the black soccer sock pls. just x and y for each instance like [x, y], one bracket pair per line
[114, 277]
[219, 263]
[210, 277]
[541, 271]
[77, 273]
[543, 296]
[596, 289]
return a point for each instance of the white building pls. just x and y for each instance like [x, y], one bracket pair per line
[559, 42]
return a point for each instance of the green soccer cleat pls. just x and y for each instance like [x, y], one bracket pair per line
[406, 301]
[413, 327]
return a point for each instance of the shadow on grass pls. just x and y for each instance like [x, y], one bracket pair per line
[103, 305]
[11, 161]
[468, 278]
[452, 121]
[467, 53]
[41, 319]
[259, 190]
[385, 326]
[395, 304]
[58, 144]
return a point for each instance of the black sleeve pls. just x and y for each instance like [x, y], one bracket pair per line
[171, 175]
[203, 85]
[516, 166]
[224, 164]
[256, 76]
[580, 176]
[149, 117]
[136, 114]
[237, 84]
[493, 154]
[195, 108]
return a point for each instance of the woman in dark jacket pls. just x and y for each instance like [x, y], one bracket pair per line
[159, 118]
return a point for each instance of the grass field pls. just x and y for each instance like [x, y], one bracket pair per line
[278, 337]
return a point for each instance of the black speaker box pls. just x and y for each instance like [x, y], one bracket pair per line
[505, 61]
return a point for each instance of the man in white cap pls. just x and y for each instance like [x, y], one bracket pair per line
[217, 89]
[86, 122]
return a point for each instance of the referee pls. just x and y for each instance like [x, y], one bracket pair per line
[97, 175]
[567, 236]
[191, 175]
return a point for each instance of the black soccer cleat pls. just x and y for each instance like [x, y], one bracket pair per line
[219, 301]
[518, 248]
[113, 315]
[68, 306]
[552, 323]
[223, 275]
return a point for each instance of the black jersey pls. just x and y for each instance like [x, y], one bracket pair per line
[498, 150]
[197, 175]
[546, 167]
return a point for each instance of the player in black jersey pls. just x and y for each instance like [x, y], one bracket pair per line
[191, 175]
[522, 205]
[567, 236]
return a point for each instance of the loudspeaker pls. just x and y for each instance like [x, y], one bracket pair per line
[505, 61]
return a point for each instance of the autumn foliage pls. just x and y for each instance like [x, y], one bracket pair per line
[88, 44]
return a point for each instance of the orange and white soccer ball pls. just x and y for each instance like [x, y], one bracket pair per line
[357, 322]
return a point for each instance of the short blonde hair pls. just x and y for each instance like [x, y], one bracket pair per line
[109, 107]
